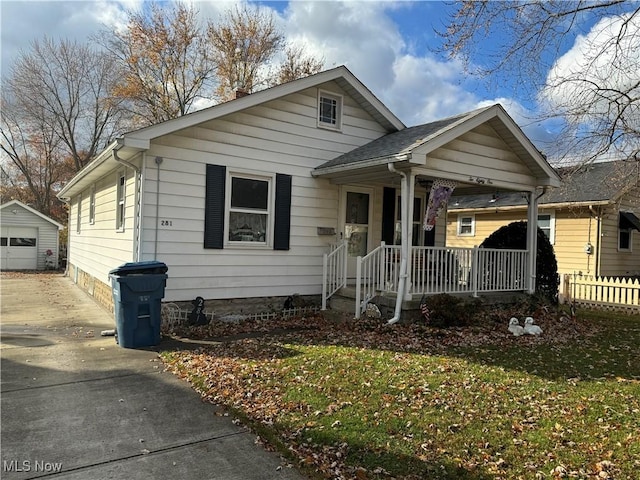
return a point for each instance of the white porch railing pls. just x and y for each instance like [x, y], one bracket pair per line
[467, 270]
[433, 270]
[370, 274]
[334, 271]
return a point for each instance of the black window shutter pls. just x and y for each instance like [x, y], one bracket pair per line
[282, 223]
[214, 206]
[388, 215]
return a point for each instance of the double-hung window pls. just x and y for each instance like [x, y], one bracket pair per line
[79, 214]
[120, 200]
[546, 223]
[249, 209]
[329, 110]
[466, 226]
[92, 205]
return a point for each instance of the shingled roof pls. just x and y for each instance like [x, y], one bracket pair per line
[398, 143]
[594, 182]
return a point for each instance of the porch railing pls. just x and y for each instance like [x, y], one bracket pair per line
[433, 270]
[334, 271]
[467, 270]
[370, 275]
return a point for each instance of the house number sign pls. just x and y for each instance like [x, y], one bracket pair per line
[166, 223]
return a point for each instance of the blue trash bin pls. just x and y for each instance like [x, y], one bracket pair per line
[138, 290]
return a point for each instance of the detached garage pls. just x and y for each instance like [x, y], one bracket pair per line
[29, 239]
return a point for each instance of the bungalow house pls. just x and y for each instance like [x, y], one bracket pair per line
[592, 220]
[302, 188]
[29, 238]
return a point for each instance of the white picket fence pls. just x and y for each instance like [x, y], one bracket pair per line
[611, 293]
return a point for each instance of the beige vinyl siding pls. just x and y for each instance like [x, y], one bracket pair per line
[614, 262]
[280, 136]
[574, 229]
[100, 247]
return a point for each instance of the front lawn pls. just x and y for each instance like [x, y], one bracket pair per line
[365, 401]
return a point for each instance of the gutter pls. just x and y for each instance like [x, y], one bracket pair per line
[358, 164]
[542, 206]
[402, 277]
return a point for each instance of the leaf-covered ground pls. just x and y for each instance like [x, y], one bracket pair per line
[365, 400]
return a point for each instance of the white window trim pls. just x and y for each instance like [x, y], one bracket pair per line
[271, 179]
[339, 109]
[79, 214]
[121, 198]
[459, 226]
[552, 225]
[92, 205]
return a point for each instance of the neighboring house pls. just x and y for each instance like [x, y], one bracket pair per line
[243, 199]
[592, 220]
[28, 237]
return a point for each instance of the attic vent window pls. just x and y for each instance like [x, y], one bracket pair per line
[329, 110]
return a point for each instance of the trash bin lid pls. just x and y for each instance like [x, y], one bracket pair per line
[150, 267]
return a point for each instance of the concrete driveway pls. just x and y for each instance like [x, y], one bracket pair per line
[75, 405]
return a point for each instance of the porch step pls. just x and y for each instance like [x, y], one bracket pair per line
[343, 304]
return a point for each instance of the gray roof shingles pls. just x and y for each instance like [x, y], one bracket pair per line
[395, 143]
[587, 183]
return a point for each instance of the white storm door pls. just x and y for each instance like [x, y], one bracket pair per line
[356, 213]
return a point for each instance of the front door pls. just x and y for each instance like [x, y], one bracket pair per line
[357, 204]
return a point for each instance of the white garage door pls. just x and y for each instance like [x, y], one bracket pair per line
[19, 248]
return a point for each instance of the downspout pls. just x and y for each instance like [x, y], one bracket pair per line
[123, 162]
[155, 240]
[598, 217]
[532, 240]
[402, 277]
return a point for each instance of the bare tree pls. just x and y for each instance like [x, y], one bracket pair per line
[56, 116]
[63, 88]
[33, 165]
[596, 94]
[243, 43]
[164, 62]
[297, 65]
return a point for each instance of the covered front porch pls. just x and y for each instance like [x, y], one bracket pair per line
[430, 270]
[393, 205]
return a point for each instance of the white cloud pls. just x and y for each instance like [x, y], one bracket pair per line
[597, 61]
[362, 36]
[356, 34]
[416, 86]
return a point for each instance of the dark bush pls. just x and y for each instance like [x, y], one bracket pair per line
[514, 236]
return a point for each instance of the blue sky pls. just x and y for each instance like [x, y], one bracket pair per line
[388, 45]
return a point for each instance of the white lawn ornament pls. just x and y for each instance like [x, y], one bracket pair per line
[530, 328]
[514, 327]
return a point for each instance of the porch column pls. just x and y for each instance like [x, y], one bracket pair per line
[407, 224]
[532, 240]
